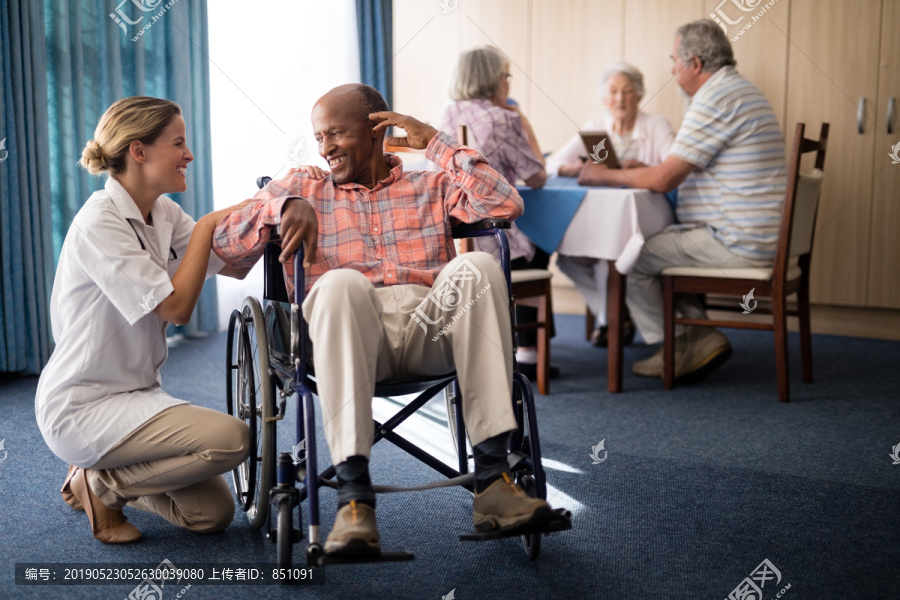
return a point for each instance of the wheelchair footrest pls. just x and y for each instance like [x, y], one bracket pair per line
[343, 559]
[560, 521]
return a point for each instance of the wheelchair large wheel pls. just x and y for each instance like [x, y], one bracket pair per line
[526, 477]
[450, 400]
[250, 397]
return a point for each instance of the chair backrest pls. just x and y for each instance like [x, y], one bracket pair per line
[806, 205]
[462, 135]
[801, 202]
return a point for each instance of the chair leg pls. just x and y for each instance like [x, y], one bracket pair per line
[668, 333]
[805, 332]
[589, 320]
[779, 323]
[543, 343]
[615, 293]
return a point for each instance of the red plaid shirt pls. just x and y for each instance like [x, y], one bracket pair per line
[397, 233]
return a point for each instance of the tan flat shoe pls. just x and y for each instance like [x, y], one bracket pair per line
[108, 525]
[66, 490]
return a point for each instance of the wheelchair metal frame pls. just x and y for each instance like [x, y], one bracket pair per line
[289, 375]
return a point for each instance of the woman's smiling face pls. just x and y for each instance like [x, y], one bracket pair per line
[166, 159]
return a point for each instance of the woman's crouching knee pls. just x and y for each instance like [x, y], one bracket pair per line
[215, 507]
[234, 445]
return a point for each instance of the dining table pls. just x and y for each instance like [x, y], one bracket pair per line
[597, 222]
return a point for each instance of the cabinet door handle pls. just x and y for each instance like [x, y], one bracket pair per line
[890, 115]
[860, 115]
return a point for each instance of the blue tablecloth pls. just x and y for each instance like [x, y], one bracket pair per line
[549, 210]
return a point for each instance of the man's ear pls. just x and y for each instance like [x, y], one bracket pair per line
[136, 149]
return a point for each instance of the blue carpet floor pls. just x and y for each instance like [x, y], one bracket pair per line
[700, 485]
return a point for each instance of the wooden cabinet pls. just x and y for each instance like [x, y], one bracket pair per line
[884, 243]
[569, 48]
[648, 36]
[824, 85]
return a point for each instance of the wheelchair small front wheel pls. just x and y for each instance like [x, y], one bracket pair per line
[532, 541]
[250, 397]
[285, 533]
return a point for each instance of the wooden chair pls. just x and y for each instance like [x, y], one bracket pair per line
[788, 275]
[530, 287]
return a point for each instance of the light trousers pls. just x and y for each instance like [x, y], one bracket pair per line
[589, 276]
[695, 247]
[172, 466]
[363, 334]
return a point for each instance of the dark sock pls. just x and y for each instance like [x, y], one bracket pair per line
[491, 461]
[354, 482]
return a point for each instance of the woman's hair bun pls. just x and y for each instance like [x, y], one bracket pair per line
[93, 159]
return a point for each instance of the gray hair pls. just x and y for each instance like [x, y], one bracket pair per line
[629, 71]
[477, 74]
[705, 40]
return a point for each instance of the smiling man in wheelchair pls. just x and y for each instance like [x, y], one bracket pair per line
[381, 272]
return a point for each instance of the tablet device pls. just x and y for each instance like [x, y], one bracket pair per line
[600, 149]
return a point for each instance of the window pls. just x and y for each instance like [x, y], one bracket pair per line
[269, 63]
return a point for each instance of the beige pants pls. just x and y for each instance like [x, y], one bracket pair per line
[172, 466]
[363, 334]
[695, 247]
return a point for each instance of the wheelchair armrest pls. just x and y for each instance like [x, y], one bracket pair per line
[464, 230]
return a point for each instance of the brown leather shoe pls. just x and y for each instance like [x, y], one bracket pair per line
[108, 525]
[354, 531]
[505, 504]
[66, 490]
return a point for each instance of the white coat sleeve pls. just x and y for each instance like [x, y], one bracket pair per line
[110, 254]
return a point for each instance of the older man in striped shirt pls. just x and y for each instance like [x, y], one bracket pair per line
[389, 298]
[729, 167]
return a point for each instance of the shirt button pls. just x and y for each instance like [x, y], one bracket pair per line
[390, 275]
[374, 229]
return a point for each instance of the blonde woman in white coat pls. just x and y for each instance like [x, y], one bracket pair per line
[133, 262]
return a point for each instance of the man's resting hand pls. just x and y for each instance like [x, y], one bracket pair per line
[298, 225]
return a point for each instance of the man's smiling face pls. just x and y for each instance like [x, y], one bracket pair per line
[344, 134]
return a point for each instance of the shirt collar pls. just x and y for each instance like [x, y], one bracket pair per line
[713, 80]
[637, 130]
[396, 173]
[126, 206]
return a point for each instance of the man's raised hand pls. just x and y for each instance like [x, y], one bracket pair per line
[418, 134]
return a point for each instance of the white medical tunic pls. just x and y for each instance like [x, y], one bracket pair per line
[102, 381]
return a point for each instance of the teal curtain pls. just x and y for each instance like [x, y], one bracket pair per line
[376, 54]
[99, 51]
[26, 253]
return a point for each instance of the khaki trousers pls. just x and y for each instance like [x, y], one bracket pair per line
[695, 247]
[363, 334]
[172, 466]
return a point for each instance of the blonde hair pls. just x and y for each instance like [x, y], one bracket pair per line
[478, 74]
[138, 118]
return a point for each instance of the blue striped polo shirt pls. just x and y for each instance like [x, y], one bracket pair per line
[733, 138]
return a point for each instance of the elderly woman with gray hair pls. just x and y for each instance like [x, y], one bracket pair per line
[640, 140]
[500, 132]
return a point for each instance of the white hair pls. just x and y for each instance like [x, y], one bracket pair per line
[628, 70]
[477, 74]
[705, 40]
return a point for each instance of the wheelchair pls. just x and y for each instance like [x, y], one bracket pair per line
[267, 365]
